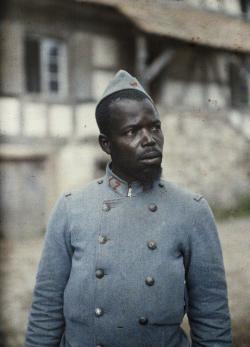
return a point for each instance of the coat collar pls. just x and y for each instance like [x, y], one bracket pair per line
[122, 187]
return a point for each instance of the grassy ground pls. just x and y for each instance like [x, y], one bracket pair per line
[19, 262]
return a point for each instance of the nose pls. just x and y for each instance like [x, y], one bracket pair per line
[147, 138]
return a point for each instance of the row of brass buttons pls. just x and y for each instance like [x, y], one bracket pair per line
[148, 280]
[99, 312]
[100, 272]
[161, 185]
[151, 244]
[106, 207]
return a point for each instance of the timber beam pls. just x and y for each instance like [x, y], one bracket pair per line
[147, 72]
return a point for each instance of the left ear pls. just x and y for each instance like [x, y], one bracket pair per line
[105, 143]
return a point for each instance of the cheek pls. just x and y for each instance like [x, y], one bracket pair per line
[122, 152]
[127, 147]
[160, 140]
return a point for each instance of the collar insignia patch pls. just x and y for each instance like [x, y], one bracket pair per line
[114, 183]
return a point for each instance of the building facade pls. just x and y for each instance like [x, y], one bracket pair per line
[56, 57]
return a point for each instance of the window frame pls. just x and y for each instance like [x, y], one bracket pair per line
[44, 43]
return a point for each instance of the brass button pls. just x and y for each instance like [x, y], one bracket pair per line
[102, 239]
[99, 273]
[99, 312]
[99, 346]
[152, 207]
[143, 320]
[149, 281]
[152, 244]
[105, 207]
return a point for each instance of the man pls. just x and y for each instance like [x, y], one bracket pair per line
[126, 257]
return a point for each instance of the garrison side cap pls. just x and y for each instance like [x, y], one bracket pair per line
[123, 81]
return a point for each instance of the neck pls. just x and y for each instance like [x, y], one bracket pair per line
[145, 178]
[123, 176]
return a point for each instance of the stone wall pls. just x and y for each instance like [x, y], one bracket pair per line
[206, 154]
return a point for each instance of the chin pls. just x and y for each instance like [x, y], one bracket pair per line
[149, 173]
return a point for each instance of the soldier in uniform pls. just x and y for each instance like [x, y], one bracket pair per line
[127, 256]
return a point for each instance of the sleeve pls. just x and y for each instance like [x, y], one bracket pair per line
[208, 312]
[46, 321]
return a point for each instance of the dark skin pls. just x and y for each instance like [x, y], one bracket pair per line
[135, 141]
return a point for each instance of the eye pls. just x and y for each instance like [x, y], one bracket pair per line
[156, 127]
[130, 132]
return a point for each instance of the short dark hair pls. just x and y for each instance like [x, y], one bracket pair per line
[103, 112]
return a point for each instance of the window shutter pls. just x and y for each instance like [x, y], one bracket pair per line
[80, 48]
[32, 65]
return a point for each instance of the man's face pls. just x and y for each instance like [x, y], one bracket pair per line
[136, 140]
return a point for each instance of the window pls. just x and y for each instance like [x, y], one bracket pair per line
[239, 85]
[46, 66]
[245, 7]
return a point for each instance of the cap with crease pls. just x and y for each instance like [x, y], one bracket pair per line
[123, 81]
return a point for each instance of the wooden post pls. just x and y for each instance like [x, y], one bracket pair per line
[146, 73]
[158, 64]
[141, 59]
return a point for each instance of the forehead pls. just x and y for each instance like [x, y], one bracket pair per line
[125, 111]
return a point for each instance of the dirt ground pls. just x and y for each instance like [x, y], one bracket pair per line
[19, 261]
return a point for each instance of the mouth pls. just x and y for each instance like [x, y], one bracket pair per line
[151, 158]
[151, 155]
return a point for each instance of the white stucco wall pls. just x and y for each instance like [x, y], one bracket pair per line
[85, 120]
[60, 120]
[34, 119]
[75, 165]
[9, 116]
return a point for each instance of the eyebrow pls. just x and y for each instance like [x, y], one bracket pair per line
[137, 125]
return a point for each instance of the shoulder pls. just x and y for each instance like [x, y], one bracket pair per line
[185, 201]
[180, 194]
[191, 208]
[89, 192]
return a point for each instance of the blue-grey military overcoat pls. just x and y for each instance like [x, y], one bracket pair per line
[122, 265]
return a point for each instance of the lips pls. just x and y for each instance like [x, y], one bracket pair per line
[151, 155]
[152, 158]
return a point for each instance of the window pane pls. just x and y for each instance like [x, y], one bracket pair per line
[53, 51]
[32, 65]
[53, 68]
[53, 86]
